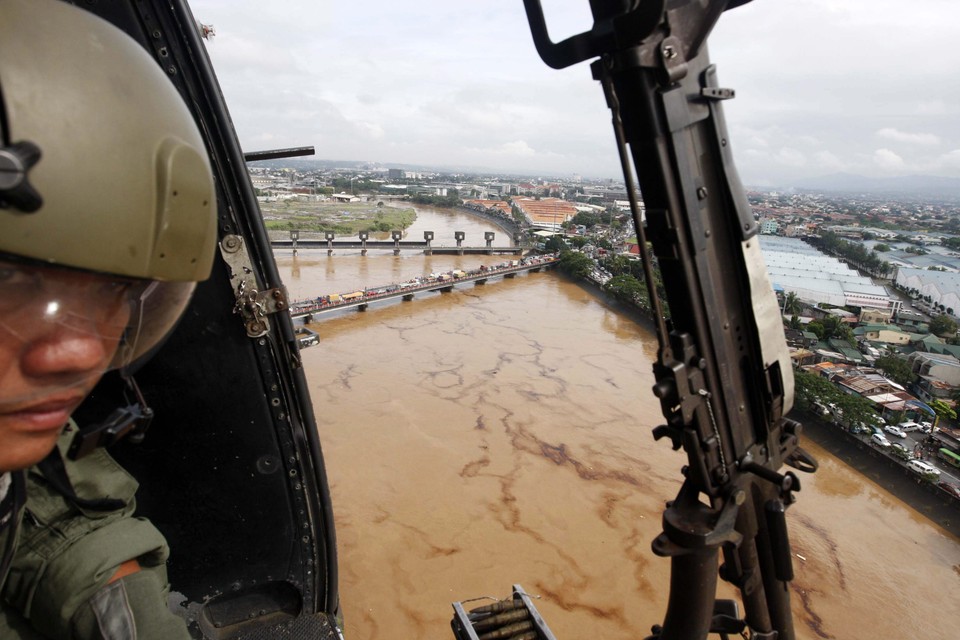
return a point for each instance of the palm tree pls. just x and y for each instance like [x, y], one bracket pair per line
[792, 305]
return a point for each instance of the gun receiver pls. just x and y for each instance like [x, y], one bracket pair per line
[723, 374]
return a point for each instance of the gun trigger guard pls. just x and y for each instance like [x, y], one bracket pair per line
[663, 431]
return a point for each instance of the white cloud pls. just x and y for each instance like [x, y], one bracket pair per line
[514, 149]
[518, 148]
[460, 83]
[951, 160]
[887, 160]
[791, 157]
[935, 108]
[827, 161]
[925, 139]
[371, 129]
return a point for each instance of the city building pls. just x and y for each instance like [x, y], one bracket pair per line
[546, 213]
[885, 333]
[942, 287]
[936, 366]
[817, 278]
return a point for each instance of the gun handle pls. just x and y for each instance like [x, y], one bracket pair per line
[693, 588]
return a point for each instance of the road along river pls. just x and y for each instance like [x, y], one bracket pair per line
[502, 433]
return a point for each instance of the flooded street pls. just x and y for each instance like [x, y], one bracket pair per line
[501, 434]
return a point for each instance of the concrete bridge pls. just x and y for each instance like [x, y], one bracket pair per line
[308, 310]
[364, 243]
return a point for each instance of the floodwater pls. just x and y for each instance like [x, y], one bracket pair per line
[501, 434]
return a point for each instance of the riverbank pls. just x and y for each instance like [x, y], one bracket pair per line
[510, 226]
[313, 219]
[922, 496]
[638, 314]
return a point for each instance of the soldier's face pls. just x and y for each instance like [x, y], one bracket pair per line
[59, 330]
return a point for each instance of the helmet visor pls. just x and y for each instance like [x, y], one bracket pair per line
[63, 328]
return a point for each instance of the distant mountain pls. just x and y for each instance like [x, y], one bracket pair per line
[930, 186]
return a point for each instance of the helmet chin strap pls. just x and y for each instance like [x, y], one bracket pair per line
[131, 421]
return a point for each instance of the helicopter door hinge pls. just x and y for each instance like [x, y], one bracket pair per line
[252, 305]
[717, 93]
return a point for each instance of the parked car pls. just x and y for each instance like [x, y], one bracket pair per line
[952, 489]
[901, 451]
[923, 468]
[860, 427]
[894, 430]
[879, 440]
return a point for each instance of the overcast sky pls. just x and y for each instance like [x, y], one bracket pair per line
[823, 86]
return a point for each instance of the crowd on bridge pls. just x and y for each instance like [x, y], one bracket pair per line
[419, 283]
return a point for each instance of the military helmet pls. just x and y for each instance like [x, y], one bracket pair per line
[102, 168]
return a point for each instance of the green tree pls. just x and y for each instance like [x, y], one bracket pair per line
[943, 410]
[452, 199]
[880, 246]
[586, 218]
[896, 369]
[856, 410]
[810, 387]
[627, 289]
[575, 264]
[817, 327]
[554, 243]
[791, 304]
[617, 265]
[834, 327]
[943, 325]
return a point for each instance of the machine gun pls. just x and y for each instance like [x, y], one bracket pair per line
[723, 374]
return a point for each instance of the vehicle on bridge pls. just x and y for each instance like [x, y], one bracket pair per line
[924, 469]
[948, 456]
[447, 279]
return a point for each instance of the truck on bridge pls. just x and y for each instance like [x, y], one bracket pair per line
[442, 281]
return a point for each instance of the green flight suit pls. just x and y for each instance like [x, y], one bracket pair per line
[65, 554]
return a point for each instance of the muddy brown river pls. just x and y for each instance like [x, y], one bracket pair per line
[501, 434]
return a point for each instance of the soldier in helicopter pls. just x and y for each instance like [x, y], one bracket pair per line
[107, 221]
